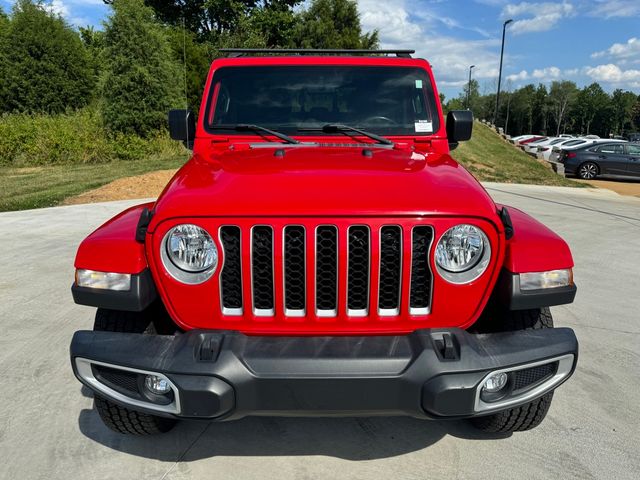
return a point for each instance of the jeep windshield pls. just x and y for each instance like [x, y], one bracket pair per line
[303, 100]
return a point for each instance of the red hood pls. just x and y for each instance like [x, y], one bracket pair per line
[322, 181]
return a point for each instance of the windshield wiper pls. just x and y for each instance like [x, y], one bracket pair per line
[247, 127]
[336, 127]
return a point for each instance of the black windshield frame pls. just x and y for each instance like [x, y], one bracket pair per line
[415, 112]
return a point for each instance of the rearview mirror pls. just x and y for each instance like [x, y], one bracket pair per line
[459, 126]
[182, 126]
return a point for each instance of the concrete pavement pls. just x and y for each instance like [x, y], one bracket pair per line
[48, 429]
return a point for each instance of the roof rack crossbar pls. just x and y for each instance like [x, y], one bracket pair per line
[237, 52]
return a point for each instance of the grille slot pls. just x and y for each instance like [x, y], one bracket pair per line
[231, 274]
[262, 270]
[390, 270]
[421, 279]
[358, 271]
[528, 377]
[294, 271]
[122, 381]
[327, 271]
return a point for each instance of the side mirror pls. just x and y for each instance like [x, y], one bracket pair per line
[182, 126]
[459, 126]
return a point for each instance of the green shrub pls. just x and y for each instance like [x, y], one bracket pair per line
[44, 65]
[73, 138]
[141, 79]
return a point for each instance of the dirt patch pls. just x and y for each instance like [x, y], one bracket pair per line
[141, 186]
[623, 187]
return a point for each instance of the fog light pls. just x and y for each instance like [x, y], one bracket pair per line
[157, 385]
[495, 382]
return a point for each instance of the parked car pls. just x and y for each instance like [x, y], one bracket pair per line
[544, 151]
[532, 148]
[520, 138]
[525, 141]
[633, 137]
[575, 144]
[619, 159]
[322, 254]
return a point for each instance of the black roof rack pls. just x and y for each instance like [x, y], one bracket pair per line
[238, 52]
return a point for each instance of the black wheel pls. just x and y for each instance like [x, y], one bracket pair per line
[529, 415]
[588, 171]
[129, 422]
[115, 417]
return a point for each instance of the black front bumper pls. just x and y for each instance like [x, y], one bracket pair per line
[227, 375]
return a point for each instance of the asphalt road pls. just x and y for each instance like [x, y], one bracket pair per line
[48, 429]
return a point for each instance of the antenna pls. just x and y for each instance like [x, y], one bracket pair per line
[184, 68]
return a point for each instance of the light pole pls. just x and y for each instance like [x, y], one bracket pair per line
[469, 88]
[495, 115]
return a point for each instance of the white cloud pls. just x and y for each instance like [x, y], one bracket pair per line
[616, 8]
[523, 75]
[611, 73]
[449, 56]
[540, 16]
[58, 8]
[544, 75]
[622, 52]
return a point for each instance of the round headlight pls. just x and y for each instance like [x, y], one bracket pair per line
[460, 248]
[189, 253]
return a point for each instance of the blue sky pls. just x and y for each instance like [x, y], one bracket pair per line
[579, 40]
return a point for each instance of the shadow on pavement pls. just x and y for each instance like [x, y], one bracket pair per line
[346, 438]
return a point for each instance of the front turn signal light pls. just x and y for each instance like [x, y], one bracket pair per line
[103, 280]
[543, 280]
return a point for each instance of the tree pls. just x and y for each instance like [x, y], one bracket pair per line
[622, 107]
[561, 96]
[141, 80]
[590, 102]
[209, 19]
[472, 94]
[43, 64]
[332, 24]
[194, 59]
[522, 110]
[540, 111]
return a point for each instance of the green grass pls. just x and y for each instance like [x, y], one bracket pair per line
[36, 187]
[490, 158]
[486, 155]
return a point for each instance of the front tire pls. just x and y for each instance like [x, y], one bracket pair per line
[530, 415]
[588, 171]
[115, 417]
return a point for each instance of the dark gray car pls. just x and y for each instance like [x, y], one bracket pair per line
[614, 159]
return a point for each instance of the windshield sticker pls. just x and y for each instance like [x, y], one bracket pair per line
[418, 83]
[424, 126]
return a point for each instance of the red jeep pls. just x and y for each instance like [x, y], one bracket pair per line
[322, 254]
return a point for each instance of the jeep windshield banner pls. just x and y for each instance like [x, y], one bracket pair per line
[384, 100]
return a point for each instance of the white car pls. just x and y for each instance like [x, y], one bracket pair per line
[544, 151]
[519, 138]
[532, 147]
[575, 144]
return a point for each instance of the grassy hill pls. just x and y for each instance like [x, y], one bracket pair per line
[486, 155]
[492, 159]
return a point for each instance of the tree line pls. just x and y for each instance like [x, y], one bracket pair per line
[150, 55]
[560, 108]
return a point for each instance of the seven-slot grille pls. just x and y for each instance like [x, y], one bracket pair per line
[289, 270]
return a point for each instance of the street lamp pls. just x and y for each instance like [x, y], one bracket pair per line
[469, 88]
[504, 29]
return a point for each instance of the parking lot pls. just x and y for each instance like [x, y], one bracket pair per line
[48, 429]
